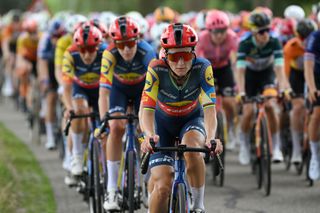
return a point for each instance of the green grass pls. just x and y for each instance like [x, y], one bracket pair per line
[24, 188]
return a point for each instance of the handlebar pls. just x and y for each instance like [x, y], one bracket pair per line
[107, 117]
[181, 148]
[74, 116]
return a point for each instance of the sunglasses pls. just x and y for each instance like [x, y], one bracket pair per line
[128, 43]
[89, 49]
[175, 57]
[217, 31]
[263, 31]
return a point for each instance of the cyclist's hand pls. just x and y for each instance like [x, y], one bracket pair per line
[68, 113]
[219, 147]
[145, 145]
[99, 135]
[240, 97]
[287, 94]
[313, 94]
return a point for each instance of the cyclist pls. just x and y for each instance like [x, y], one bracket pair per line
[175, 86]
[293, 57]
[259, 57]
[219, 44]
[123, 71]
[46, 75]
[10, 35]
[81, 74]
[27, 45]
[65, 41]
[164, 14]
[311, 74]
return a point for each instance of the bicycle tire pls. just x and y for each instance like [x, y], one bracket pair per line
[90, 188]
[219, 179]
[255, 160]
[310, 181]
[98, 192]
[179, 202]
[131, 181]
[265, 160]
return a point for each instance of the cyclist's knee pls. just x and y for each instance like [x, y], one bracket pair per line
[162, 180]
[117, 127]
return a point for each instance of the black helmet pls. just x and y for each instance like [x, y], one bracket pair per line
[305, 27]
[259, 20]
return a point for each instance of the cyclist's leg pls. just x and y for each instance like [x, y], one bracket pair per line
[161, 178]
[194, 136]
[313, 132]
[297, 114]
[118, 104]
[51, 100]
[252, 89]
[226, 84]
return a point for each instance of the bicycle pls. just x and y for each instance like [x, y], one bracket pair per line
[261, 144]
[179, 202]
[91, 183]
[130, 181]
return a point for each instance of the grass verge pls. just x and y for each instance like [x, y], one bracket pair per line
[24, 188]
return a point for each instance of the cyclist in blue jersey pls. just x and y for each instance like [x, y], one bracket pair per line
[178, 101]
[123, 70]
[46, 75]
[312, 77]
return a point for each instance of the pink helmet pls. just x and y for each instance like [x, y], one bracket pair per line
[217, 19]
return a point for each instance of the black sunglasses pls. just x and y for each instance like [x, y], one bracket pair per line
[217, 31]
[262, 31]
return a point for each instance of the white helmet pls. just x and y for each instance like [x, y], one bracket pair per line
[72, 22]
[156, 32]
[295, 12]
[200, 20]
[143, 23]
[107, 18]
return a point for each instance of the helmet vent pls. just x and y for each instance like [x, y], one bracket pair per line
[86, 31]
[178, 31]
[123, 26]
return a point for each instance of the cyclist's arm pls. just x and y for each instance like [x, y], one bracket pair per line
[5, 44]
[107, 68]
[279, 67]
[208, 100]
[148, 102]
[241, 68]
[67, 75]
[309, 61]
[43, 70]
[61, 47]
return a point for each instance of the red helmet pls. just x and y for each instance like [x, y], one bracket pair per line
[30, 26]
[178, 35]
[98, 24]
[217, 19]
[124, 28]
[87, 35]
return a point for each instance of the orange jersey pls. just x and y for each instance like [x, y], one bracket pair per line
[293, 55]
[27, 47]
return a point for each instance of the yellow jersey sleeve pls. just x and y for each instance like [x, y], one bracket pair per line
[62, 45]
[107, 69]
[67, 67]
[150, 92]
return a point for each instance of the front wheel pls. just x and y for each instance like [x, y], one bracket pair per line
[265, 160]
[131, 178]
[179, 204]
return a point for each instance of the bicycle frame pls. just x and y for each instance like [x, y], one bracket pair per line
[259, 115]
[130, 147]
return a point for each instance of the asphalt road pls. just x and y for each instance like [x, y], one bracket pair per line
[290, 193]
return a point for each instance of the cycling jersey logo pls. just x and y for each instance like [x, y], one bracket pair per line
[149, 82]
[209, 76]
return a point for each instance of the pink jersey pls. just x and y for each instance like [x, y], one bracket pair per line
[218, 55]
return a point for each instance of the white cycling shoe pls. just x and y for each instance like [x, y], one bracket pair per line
[111, 202]
[314, 168]
[277, 155]
[244, 154]
[77, 165]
